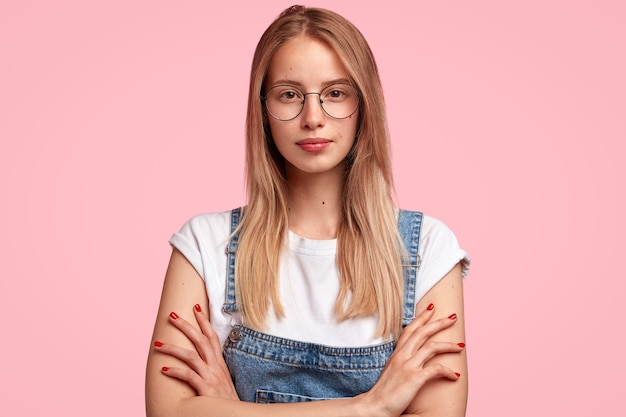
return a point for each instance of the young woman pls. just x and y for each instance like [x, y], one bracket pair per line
[318, 289]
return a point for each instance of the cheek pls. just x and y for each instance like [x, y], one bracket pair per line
[354, 126]
[355, 122]
[274, 129]
[281, 133]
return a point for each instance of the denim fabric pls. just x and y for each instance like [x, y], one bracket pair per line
[269, 369]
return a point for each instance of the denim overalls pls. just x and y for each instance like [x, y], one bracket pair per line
[269, 369]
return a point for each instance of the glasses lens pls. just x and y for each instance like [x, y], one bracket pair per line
[339, 100]
[285, 102]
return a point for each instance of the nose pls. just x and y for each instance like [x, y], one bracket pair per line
[312, 113]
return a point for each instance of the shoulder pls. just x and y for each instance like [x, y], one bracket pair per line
[432, 230]
[439, 248]
[208, 223]
[202, 239]
[435, 230]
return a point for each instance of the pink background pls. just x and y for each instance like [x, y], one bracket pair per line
[121, 119]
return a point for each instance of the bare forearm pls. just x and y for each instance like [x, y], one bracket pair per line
[217, 407]
[412, 381]
[435, 414]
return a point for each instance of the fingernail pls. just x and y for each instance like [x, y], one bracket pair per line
[158, 344]
[198, 308]
[457, 374]
[174, 315]
[430, 307]
[165, 369]
[461, 344]
[452, 316]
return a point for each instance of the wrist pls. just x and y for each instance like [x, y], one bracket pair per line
[366, 406]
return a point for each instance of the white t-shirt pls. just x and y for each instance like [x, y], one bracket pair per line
[309, 280]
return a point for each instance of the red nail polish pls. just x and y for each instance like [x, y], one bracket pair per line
[165, 369]
[461, 344]
[457, 374]
[158, 344]
[430, 307]
[173, 315]
[198, 308]
[452, 316]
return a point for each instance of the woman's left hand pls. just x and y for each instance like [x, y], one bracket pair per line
[208, 375]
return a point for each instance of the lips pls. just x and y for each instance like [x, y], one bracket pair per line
[312, 141]
[313, 144]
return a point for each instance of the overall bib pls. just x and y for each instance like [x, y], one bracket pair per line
[269, 369]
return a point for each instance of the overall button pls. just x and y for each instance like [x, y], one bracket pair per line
[235, 334]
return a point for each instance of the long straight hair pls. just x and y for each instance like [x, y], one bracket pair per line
[369, 249]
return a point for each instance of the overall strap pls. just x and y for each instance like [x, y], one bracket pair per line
[409, 225]
[230, 304]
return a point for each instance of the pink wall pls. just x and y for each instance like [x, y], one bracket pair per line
[121, 119]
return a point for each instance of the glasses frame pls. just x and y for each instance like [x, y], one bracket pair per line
[304, 95]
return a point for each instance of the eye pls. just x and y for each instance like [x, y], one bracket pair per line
[337, 92]
[285, 94]
[288, 95]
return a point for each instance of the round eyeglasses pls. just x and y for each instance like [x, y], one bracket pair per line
[285, 102]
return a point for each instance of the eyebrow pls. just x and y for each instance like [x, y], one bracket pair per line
[299, 84]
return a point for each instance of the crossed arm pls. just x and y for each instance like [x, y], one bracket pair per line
[425, 376]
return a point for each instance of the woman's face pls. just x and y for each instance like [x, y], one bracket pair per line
[313, 142]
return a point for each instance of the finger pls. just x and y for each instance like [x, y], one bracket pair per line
[433, 348]
[207, 329]
[424, 317]
[436, 371]
[417, 322]
[203, 388]
[193, 334]
[190, 357]
[407, 360]
[209, 351]
[209, 332]
[424, 333]
[188, 376]
[416, 336]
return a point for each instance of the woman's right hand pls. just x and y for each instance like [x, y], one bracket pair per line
[208, 375]
[407, 370]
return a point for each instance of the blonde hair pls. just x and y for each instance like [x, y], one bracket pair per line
[368, 242]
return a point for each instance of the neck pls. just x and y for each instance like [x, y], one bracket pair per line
[314, 204]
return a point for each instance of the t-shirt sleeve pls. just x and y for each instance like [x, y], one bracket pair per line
[440, 251]
[188, 241]
[202, 240]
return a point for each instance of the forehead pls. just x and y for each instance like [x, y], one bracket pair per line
[305, 61]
